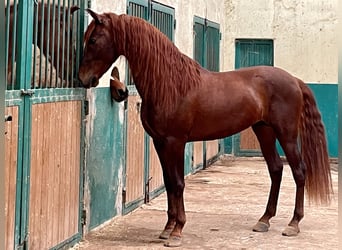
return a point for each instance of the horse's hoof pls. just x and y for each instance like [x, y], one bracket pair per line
[165, 234]
[291, 231]
[173, 241]
[261, 227]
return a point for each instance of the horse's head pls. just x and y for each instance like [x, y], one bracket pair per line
[100, 50]
[118, 90]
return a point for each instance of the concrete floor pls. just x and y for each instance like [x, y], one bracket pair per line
[222, 204]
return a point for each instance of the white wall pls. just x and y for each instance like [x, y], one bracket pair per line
[304, 33]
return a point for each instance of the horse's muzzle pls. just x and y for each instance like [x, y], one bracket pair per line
[92, 82]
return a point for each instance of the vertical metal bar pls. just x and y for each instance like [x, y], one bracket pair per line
[47, 42]
[25, 23]
[68, 45]
[24, 44]
[53, 42]
[7, 27]
[14, 45]
[58, 40]
[81, 24]
[41, 42]
[80, 28]
[73, 48]
[35, 44]
[63, 44]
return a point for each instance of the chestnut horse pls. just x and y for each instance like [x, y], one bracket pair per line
[183, 102]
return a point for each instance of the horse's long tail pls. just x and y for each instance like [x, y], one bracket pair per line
[314, 150]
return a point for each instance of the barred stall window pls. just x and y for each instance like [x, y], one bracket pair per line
[53, 31]
[207, 43]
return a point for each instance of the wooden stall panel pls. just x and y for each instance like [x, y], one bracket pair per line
[198, 153]
[135, 151]
[212, 148]
[11, 153]
[55, 173]
[155, 170]
[248, 140]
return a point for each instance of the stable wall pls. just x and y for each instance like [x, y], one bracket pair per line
[304, 35]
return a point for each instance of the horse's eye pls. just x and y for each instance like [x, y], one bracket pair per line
[92, 41]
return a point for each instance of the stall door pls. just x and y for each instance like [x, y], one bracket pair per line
[44, 125]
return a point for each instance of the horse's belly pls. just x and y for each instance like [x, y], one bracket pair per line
[209, 128]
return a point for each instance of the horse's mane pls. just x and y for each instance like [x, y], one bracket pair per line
[161, 72]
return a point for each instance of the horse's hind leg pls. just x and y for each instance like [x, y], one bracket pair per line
[298, 169]
[267, 140]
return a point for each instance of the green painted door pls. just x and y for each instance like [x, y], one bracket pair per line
[44, 130]
[250, 52]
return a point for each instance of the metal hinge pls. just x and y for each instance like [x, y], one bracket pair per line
[27, 92]
[23, 244]
[124, 196]
[126, 104]
[84, 217]
[86, 107]
[147, 190]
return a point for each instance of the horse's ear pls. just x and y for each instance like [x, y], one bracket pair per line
[115, 73]
[94, 15]
[73, 9]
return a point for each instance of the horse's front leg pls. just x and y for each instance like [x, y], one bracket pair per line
[171, 154]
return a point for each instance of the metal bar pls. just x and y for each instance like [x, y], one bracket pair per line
[41, 43]
[47, 41]
[73, 52]
[58, 40]
[7, 27]
[53, 39]
[35, 42]
[25, 23]
[81, 24]
[63, 43]
[68, 45]
[14, 43]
